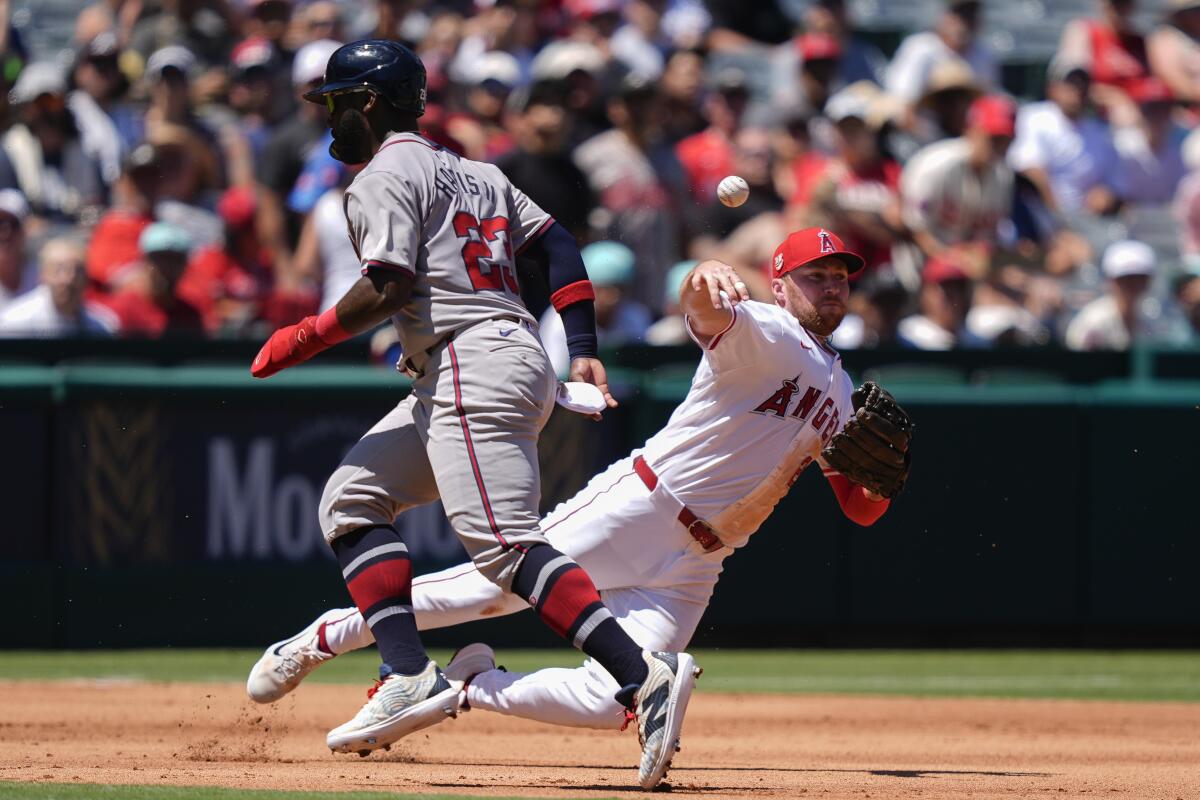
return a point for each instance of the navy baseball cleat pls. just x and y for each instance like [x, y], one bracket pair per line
[659, 705]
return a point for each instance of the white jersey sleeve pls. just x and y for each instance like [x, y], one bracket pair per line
[752, 331]
[385, 218]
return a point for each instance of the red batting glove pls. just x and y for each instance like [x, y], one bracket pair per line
[294, 344]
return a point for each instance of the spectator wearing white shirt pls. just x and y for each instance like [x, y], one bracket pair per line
[1151, 150]
[945, 301]
[17, 276]
[955, 192]
[954, 36]
[325, 256]
[1112, 322]
[55, 307]
[1065, 151]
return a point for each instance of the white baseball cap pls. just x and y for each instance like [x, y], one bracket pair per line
[12, 201]
[559, 59]
[37, 79]
[310, 61]
[1129, 258]
[173, 56]
[497, 66]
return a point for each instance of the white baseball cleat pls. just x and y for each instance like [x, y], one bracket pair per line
[659, 705]
[396, 706]
[286, 663]
[465, 664]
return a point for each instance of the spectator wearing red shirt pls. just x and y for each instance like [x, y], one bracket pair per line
[113, 256]
[707, 156]
[1113, 52]
[227, 283]
[153, 307]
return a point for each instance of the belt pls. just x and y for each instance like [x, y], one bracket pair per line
[697, 528]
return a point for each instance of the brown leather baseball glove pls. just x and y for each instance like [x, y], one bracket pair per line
[872, 449]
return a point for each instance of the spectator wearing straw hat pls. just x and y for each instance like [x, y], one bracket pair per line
[858, 194]
[955, 36]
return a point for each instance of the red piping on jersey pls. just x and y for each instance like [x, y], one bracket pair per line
[420, 582]
[421, 140]
[588, 503]
[572, 293]
[716, 339]
[533, 237]
[375, 262]
[462, 418]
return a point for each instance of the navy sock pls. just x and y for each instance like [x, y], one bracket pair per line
[566, 599]
[378, 574]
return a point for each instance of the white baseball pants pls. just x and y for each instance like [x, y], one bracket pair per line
[655, 579]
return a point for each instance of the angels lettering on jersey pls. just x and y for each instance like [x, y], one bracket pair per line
[780, 405]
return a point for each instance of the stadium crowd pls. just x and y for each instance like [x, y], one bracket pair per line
[167, 177]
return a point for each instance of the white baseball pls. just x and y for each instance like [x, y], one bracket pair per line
[733, 191]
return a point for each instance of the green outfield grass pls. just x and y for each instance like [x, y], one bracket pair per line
[1100, 675]
[88, 791]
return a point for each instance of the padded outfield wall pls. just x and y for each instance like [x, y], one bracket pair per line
[151, 505]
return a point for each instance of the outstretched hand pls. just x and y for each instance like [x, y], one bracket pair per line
[591, 370]
[719, 277]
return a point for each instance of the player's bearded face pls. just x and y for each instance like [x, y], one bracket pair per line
[815, 294]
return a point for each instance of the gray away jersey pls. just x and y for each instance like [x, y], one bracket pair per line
[456, 225]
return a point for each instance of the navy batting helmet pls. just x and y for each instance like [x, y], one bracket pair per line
[385, 67]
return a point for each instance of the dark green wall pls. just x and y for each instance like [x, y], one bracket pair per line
[1039, 513]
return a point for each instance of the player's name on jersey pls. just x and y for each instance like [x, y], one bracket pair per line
[454, 183]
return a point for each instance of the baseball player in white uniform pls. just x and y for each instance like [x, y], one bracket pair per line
[437, 236]
[654, 528]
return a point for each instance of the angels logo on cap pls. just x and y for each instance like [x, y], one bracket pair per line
[826, 242]
[811, 244]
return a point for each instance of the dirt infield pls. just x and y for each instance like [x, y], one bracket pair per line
[762, 745]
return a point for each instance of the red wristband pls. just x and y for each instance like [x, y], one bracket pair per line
[572, 293]
[329, 330]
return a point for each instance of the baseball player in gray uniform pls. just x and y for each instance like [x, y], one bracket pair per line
[437, 236]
